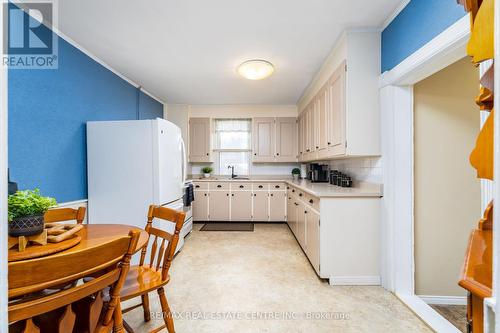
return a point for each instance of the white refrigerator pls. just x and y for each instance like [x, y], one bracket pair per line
[132, 164]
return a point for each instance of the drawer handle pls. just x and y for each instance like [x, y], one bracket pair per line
[260, 186]
[255, 154]
[293, 191]
[254, 195]
[205, 194]
[197, 186]
[277, 154]
[227, 194]
[296, 204]
[305, 212]
[276, 186]
[232, 194]
[272, 194]
[300, 194]
[208, 154]
[288, 187]
[311, 201]
[219, 186]
[329, 143]
[241, 186]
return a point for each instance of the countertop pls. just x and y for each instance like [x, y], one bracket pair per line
[321, 190]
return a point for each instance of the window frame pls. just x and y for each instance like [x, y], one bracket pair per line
[217, 150]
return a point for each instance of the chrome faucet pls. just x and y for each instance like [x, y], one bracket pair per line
[232, 171]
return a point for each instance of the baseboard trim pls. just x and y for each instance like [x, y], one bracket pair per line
[444, 300]
[355, 280]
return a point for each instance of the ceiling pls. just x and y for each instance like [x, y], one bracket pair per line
[187, 51]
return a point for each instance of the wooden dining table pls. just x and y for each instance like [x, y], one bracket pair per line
[91, 235]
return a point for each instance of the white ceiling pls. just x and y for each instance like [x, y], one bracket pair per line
[187, 51]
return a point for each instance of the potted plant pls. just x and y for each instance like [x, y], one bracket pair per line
[207, 171]
[295, 173]
[26, 210]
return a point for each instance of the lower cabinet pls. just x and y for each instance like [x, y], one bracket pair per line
[241, 206]
[291, 213]
[312, 237]
[200, 209]
[277, 206]
[238, 201]
[301, 223]
[218, 207]
[261, 206]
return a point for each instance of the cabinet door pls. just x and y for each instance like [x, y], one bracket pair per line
[316, 124]
[291, 212]
[200, 140]
[260, 206]
[336, 112]
[263, 139]
[200, 206]
[312, 238]
[241, 206]
[277, 206]
[323, 118]
[301, 223]
[218, 206]
[286, 139]
[300, 131]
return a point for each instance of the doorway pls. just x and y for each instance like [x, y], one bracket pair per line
[447, 194]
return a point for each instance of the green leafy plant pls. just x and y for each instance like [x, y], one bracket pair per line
[295, 171]
[207, 169]
[28, 203]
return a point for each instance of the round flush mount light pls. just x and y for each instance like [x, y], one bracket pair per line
[256, 69]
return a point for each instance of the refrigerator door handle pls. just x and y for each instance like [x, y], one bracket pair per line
[184, 162]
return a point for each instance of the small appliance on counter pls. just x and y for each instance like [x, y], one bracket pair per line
[318, 173]
[340, 179]
[303, 171]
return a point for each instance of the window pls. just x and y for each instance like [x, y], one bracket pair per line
[232, 141]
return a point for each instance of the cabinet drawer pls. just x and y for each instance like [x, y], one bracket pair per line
[214, 186]
[200, 186]
[241, 186]
[312, 201]
[260, 186]
[277, 186]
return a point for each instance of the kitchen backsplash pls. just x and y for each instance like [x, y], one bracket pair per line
[255, 168]
[368, 169]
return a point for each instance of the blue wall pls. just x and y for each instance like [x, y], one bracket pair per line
[48, 110]
[418, 23]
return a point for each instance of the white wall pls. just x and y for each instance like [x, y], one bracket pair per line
[242, 111]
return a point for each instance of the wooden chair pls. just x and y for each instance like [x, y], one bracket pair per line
[32, 308]
[65, 214]
[145, 278]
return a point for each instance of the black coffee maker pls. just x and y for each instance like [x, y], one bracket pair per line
[318, 173]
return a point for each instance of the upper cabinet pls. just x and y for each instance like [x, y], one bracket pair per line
[339, 112]
[264, 136]
[200, 148]
[275, 139]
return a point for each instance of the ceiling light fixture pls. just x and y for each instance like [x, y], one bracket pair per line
[256, 69]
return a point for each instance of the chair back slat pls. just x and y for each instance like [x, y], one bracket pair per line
[166, 252]
[160, 254]
[153, 252]
[65, 214]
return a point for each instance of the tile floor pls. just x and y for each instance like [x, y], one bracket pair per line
[261, 282]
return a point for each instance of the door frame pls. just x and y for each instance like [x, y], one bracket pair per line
[397, 213]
